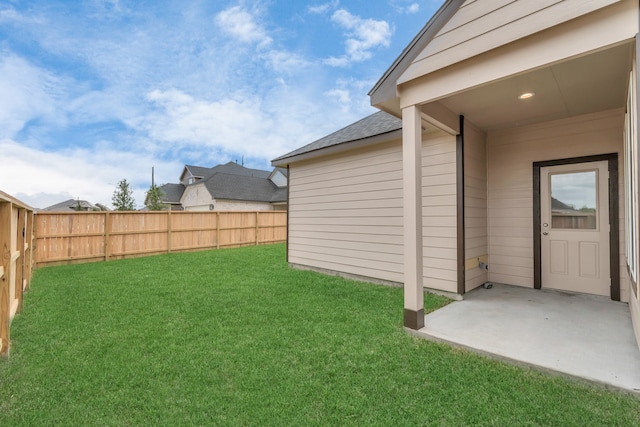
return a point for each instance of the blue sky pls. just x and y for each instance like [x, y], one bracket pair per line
[95, 91]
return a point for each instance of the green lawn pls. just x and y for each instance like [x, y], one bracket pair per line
[235, 337]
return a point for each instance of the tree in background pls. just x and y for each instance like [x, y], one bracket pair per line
[123, 197]
[78, 206]
[153, 198]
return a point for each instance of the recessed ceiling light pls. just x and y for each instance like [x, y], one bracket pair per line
[526, 95]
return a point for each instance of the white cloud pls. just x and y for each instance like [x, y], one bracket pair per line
[42, 178]
[412, 8]
[28, 93]
[342, 61]
[213, 132]
[282, 61]
[363, 35]
[228, 125]
[100, 106]
[350, 95]
[407, 7]
[55, 173]
[11, 15]
[342, 96]
[323, 8]
[241, 24]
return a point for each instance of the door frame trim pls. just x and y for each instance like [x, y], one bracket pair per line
[614, 226]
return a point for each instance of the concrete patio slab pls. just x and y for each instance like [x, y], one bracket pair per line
[582, 336]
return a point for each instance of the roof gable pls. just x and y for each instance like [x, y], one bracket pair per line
[480, 26]
[383, 93]
[279, 177]
[190, 171]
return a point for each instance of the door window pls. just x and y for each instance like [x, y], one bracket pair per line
[574, 198]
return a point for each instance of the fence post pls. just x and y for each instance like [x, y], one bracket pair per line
[169, 231]
[29, 249]
[20, 240]
[5, 279]
[217, 230]
[107, 238]
[257, 230]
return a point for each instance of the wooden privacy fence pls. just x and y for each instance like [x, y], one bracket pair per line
[69, 237]
[16, 243]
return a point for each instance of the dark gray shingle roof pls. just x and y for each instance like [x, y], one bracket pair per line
[231, 181]
[198, 170]
[280, 195]
[240, 187]
[70, 205]
[172, 192]
[236, 169]
[376, 124]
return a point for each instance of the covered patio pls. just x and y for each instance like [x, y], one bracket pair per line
[517, 163]
[587, 337]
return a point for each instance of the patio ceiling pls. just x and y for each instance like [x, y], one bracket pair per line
[591, 83]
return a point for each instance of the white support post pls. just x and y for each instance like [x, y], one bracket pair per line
[412, 193]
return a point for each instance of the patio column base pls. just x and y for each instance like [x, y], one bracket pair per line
[414, 319]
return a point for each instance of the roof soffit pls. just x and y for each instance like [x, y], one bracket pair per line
[601, 30]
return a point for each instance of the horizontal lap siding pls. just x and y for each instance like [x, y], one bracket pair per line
[345, 212]
[511, 154]
[475, 201]
[481, 25]
[439, 211]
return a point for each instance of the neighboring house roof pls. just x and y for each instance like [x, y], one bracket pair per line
[240, 187]
[71, 205]
[236, 169]
[375, 125]
[172, 193]
[280, 195]
[233, 168]
[231, 181]
[197, 170]
[557, 205]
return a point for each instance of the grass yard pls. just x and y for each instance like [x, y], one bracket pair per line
[235, 337]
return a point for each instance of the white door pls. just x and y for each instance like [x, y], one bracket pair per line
[574, 209]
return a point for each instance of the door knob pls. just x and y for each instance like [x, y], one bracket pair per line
[544, 233]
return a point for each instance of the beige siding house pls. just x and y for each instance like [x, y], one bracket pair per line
[505, 151]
